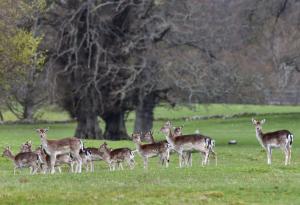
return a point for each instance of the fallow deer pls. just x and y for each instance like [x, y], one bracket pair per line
[96, 155]
[26, 147]
[23, 160]
[63, 146]
[115, 157]
[188, 143]
[63, 159]
[279, 139]
[161, 149]
[163, 143]
[86, 157]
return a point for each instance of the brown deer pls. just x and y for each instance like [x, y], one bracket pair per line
[161, 149]
[26, 147]
[86, 157]
[23, 160]
[96, 155]
[279, 139]
[188, 143]
[63, 159]
[115, 157]
[63, 146]
[45, 165]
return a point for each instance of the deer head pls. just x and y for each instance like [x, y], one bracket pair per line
[258, 124]
[42, 132]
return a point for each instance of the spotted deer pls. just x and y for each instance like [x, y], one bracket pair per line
[23, 160]
[115, 157]
[188, 143]
[63, 146]
[148, 136]
[26, 147]
[96, 155]
[86, 157]
[279, 139]
[161, 149]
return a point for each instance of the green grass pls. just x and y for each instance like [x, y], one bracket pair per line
[241, 177]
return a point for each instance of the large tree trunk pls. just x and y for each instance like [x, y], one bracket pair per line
[88, 127]
[28, 112]
[144, 114]
[115, 128]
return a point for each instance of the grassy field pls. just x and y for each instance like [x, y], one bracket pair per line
[241, 177]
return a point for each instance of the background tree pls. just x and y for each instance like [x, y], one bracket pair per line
[21, 62]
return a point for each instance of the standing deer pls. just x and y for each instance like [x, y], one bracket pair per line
[161, 149]
[187, 143]
[63, 146]
[86, 157]
[279, 139]
[23, 160]
[96, 155]
[117, 156]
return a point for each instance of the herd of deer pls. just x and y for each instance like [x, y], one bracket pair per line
[54, 153]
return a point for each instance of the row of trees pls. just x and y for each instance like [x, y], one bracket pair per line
[104, 58]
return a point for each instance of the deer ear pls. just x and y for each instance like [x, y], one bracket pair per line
[253, 121]
[29, 142]
[37, 130]
[46, 129]
[263, 121]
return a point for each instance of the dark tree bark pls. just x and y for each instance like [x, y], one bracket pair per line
[144, 114]
[88, 127]
[115, 128]
[28, 112]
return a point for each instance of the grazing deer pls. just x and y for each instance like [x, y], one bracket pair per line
[117, 156]
[187, 143]
[279, 139]
[63, 146]
[23, 160]
[161, 149]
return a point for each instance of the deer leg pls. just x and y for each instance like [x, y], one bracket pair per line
[121, 166]
[206, 157]
[290, 155]
[78, 162]
[286, 155]
[15, 170]
[181, 158]
[92, 166]
[167, 158]
[52, 163]
[145, 162]
[269, 154]
[189, 159]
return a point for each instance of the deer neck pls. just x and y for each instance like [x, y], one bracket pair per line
[106, 154]
[44, 142]
[11, 156]
[259, 135]
[170, 137]
[138, 145]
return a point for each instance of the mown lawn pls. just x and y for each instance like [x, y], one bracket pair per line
[241, 177]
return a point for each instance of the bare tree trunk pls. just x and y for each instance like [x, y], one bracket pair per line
[144, 114]
[28, 112]
[115, 128]
[88, 127]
